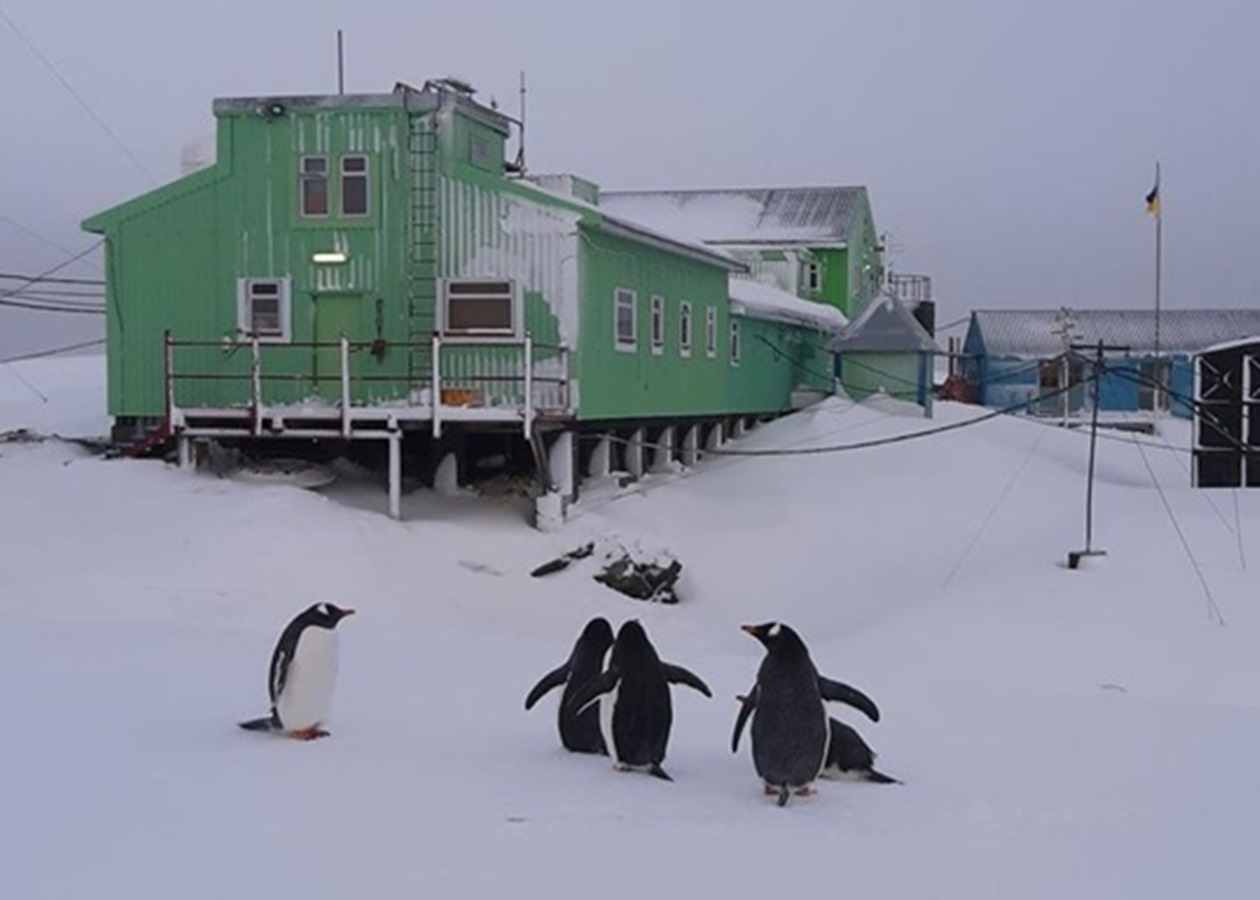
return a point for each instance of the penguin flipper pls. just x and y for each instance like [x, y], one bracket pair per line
[657, 772]
[679, 675]
[746, 705]
[553, 679]
[843, 693]
[592, 690]
[874, 775]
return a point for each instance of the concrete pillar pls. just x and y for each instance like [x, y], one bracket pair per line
[446, 478]
[634, 453]
[663, 453]
[560, 458]
[601, 458]
[716, 436]
[740, 428]
[184, 449]
[395, 474]
[691, 446]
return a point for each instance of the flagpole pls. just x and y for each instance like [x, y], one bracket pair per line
[1159, 242]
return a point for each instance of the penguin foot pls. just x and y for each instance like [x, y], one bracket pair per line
[308, 734]
[804, 791]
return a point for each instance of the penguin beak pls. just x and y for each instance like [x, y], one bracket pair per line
[347, 612]
[750, 629]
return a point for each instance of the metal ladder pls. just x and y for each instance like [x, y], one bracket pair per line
[422, 241]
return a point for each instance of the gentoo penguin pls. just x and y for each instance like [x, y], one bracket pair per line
[303, 672]
[849, 758]
[579, 733]
[791, 732]
[635, 708]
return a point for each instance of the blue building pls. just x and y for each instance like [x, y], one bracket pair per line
[1014, 358]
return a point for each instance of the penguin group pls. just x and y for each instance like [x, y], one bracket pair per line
[616, 697]
[794, 741]
[616, 701]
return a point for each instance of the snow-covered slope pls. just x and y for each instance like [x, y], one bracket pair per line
[1086, 734]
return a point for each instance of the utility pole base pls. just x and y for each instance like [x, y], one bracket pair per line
[1074, 556]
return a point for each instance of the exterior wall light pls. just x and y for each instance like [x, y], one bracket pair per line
[335, 256]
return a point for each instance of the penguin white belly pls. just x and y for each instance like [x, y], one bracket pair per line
[607, 704]
[308, 689]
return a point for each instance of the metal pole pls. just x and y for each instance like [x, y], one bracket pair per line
[255, 385]
[529, 386]
[345, 386]
[1159, 240]
[341, 65]
[1093, 444]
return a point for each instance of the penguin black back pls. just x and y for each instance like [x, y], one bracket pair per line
[790, 730]
[579, 733]
[636, 709]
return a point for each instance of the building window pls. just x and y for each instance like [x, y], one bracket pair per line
[658, 324]
[354, 185]
[313, 188]
[625, 310]
[811, 275]
[480, 308]
[684, 328]
[734, 342]
[710, 331]
[479, 151]
[262, 308]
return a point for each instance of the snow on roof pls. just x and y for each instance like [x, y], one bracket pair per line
[744, 215]
[637, 231]
[763, 301]
[886, 326]
[1031, 333]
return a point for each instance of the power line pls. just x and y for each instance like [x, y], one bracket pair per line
[35, 279]
[13, 276]
[35, 234]
[52, 352]
[75, 94]
[97, 310]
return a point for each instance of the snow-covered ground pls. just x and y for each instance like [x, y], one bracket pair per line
[1083, 734]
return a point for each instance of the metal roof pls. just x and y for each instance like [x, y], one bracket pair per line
[818, 215]
[1031, 333]
[885, 326]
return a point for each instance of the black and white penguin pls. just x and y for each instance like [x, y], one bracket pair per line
[849, 758]
[633, 695]
[791, 732]
[579, 732]
[303, 674]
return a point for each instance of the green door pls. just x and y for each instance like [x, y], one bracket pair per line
[336, 316]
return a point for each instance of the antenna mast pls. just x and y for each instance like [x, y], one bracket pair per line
[341, 65]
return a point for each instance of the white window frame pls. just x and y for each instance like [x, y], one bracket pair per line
[658, 324]
[710, 331]
[735, 341]
[623, 298]
[344, 176]
[684, 328]
[304, 176]
[245, 294]
[811, 275]
[515, 331]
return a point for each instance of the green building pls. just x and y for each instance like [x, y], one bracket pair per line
[377, 268]
[818, 243]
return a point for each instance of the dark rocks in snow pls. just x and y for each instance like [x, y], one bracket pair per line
[642, 579]
[560, 563]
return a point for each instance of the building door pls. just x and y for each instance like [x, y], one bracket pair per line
[336, 316]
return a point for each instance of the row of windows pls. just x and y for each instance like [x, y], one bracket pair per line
[626, 326]
[489, 309]
[313, 185]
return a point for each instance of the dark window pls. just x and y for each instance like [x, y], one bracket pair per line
[314, 185]
[627, 332]
[734, 342]
[354, 186]
[658, 323]
[684, 328]
[480, 307]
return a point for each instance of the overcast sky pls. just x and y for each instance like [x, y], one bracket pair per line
[1007, 144]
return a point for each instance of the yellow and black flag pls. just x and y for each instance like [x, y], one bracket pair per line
[1152, 200]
